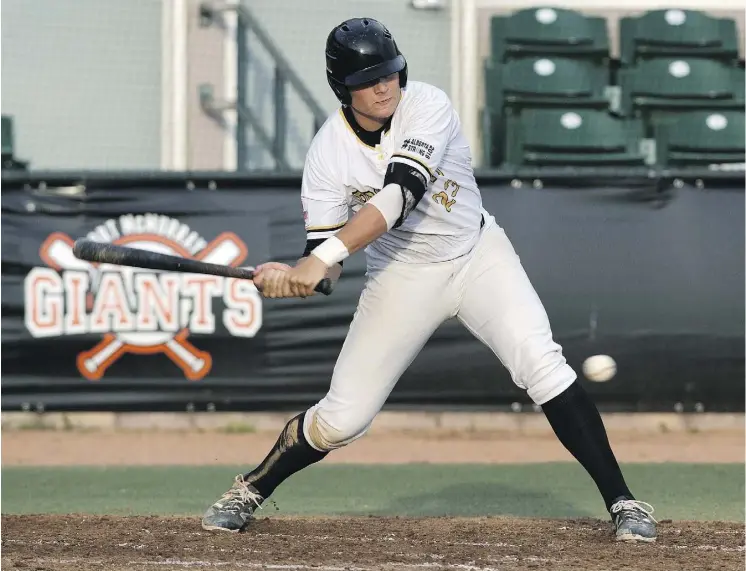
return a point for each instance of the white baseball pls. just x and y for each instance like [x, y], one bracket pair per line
[599, 368]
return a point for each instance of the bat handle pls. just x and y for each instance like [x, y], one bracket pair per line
[325, 286]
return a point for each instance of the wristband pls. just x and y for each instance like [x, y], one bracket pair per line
[331, 251]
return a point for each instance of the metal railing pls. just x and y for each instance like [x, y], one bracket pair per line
[284, 75]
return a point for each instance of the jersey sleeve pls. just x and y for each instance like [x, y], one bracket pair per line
[324, 202]
[428, 128]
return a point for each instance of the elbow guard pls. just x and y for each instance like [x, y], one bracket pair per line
[412, 185]
[389, 201]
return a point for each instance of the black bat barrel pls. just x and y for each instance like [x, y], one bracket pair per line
[103, 253]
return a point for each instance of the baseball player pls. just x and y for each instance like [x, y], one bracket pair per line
[395, 156]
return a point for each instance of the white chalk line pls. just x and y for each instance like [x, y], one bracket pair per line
[300, 567]
[704, 547]
[392, 538]
[496, 544]
[275, 566]
[386, 538]
[186, 564]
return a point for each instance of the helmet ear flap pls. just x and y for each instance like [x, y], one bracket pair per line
[341, 91]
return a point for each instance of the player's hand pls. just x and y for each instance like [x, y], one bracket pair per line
[270, 280]
[306, 275]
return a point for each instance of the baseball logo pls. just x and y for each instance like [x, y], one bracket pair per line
[140, 311]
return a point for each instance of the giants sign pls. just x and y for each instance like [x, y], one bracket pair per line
[140, 311]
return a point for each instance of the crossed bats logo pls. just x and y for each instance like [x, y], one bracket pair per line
[142, 336]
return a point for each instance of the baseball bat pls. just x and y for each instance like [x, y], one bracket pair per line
[122, 256]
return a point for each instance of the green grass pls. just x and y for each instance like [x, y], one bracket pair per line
[237, 428]
[678, 491]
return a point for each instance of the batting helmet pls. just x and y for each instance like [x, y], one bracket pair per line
[359, 51]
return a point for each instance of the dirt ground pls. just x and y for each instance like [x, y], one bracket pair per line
[85, 543]
[50, 447]
[75, 543]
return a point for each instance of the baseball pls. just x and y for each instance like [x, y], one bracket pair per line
[599, 368]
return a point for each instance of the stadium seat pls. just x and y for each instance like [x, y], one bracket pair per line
[573, 137]
[702, 137]
[548, 31]
[536, 81]
[670, 84]
[674, 32]
[548, 81]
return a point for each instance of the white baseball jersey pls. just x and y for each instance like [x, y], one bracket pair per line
[342, 172]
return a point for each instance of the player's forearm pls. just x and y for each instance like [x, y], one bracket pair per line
[365, 227]
[373, 220]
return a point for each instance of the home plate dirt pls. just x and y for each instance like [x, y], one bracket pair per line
[81, 543]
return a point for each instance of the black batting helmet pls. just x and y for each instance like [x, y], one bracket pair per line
[359, 51]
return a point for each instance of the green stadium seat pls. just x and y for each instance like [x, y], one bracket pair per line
[536, 81]
[550, 81]
[573, 137]
[674, 32]
[702, 137]
[548, 31]
[671, 84]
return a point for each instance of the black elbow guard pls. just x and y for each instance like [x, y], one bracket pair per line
[413, 186]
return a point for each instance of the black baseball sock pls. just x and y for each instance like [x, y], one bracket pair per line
[577, 423]
[290, 454]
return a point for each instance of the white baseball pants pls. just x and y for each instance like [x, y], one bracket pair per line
[400, 308]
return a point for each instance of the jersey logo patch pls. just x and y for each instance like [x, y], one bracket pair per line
[360, 197]
[420, 147]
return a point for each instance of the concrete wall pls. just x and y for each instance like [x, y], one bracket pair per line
[82, 80]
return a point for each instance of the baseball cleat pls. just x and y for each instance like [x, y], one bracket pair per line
[633, 521]
[234, 509]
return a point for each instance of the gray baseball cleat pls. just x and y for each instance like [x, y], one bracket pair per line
[633, 520]
[234, 509]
